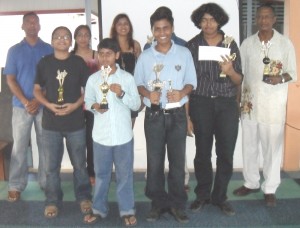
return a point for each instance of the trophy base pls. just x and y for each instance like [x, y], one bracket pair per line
[222, 78]
[172, 105]
[103, 106]
[155, 107]
[266, 77]
[61, 103]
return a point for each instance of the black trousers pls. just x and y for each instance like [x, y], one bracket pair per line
[214, 118]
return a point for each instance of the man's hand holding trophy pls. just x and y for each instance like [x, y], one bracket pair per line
[156, 87]
[104, 87]
[272, 73]
[226, 59]
[173, 96]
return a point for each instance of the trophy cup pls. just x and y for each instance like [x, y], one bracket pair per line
[61, 78]
[171, 105]
[266, 60]
[227, 42]
[104, 87]
[156, 85]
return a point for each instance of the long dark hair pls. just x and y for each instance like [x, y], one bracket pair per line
[113, 31]
[76, 34]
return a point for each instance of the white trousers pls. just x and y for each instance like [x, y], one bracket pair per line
[271, 138]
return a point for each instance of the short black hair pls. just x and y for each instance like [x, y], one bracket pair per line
[61, 27]
[266, 5]
[216, 11]
[30, 14]
[161, 13]
[109, 43]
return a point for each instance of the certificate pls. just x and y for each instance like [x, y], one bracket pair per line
[212, 53]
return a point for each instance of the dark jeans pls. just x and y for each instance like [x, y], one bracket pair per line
[166, 131]
[89, 123]
[219, 118]
[53, 143]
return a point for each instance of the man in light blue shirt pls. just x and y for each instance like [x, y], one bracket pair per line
[112, 133]
[165, 127]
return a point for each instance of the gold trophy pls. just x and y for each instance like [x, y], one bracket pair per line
[104, 87]
[266, 60]
[156, 85]
[61, 78]
[227, 42]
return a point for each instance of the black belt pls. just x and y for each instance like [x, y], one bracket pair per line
[211, 97]
[168, 111]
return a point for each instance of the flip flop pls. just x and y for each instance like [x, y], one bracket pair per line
[129, 220]
[91, 218]
[51, 211]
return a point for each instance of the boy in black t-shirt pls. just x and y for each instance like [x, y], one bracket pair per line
[59, 86]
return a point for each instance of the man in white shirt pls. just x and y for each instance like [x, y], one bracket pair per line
[268, 62]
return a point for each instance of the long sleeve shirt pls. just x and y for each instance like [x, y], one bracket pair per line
[114, 126]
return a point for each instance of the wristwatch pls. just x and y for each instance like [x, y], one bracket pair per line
[122, 94]
[282, 79]
[93, 108]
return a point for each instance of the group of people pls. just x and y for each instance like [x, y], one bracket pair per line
[91, 99]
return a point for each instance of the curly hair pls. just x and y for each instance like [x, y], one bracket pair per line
[213, 9]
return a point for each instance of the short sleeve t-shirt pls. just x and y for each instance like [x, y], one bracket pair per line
[76, 73]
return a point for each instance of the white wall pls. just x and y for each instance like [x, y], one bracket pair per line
[139, 12]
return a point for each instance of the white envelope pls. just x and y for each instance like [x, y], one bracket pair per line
[212, 53]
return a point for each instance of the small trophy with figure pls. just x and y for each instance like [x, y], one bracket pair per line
[171, 105]
[104, 87]
[61, 78]
[156, 85]
[227, 42]
[266, 60]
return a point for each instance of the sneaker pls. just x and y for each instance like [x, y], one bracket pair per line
[198, 205]
[244, 191]
[179, 215]
[270, 200]
[226, 208]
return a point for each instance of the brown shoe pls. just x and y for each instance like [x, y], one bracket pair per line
[244, 191]
[186, 188]
[270, 200]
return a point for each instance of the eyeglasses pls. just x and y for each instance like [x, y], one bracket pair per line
[65, 37]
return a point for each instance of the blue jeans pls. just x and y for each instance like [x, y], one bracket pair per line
[53, 142]
[104, 158]
[219, 118]
[166, 131]
[22, 123]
